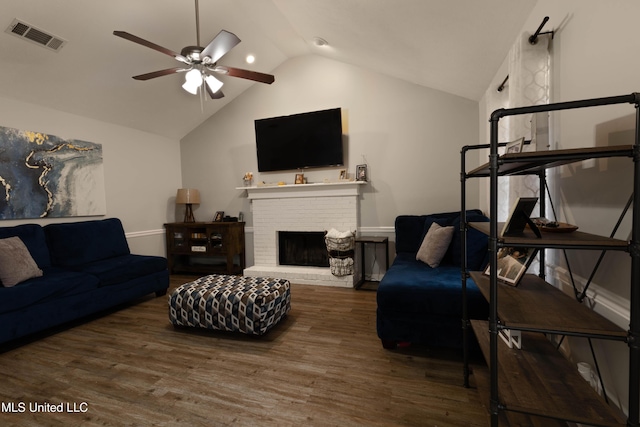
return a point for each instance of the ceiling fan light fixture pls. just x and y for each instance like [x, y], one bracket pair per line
[192, 81]
[213, 83]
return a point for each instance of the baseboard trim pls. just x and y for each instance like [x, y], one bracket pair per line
[144, 233]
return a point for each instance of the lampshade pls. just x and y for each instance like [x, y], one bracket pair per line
[192, 81]
[213, 83]
[187, 196]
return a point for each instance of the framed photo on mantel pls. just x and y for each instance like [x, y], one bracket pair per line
[361, 173]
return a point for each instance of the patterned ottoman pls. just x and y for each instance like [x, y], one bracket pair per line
[251, 305]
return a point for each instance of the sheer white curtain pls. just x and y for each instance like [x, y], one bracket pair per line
[528, 84]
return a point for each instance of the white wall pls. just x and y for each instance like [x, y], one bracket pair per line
[593, 55]
[141, 170]
[410, 137]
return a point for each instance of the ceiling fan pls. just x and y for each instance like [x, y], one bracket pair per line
[200, 62]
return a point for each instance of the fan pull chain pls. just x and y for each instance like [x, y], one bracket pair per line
[202, 96]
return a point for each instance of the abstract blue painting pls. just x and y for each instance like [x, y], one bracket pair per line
[45, 176]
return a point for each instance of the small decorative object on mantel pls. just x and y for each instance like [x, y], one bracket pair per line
[248, 179]
[342, 176]
[219, 216]
[361, 173]
[299, 178]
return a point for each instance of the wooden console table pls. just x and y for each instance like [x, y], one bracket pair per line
[205, 247]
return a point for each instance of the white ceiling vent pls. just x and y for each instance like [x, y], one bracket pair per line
[30, 33]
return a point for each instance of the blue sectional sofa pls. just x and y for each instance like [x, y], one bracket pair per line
[86, 268]
[423, 305]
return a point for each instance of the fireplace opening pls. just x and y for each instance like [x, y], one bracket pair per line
[303, 248]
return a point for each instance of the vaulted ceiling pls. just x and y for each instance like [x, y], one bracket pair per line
[455, 46]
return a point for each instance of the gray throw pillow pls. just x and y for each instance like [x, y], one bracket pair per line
[435, 245]
[16, 263]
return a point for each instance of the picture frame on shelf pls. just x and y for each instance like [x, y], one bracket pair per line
[513, 262]
[218, 216]
[519, 217]
[342, 175]
[299, 178]
[514, 146]
[361, 173]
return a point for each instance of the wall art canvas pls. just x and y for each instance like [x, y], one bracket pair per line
[45, 176]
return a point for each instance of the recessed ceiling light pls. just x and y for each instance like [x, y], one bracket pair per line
[319, 41]
[250, 59]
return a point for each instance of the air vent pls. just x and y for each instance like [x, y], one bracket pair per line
[30, 33]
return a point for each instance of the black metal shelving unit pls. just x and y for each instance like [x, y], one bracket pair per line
[546, 386]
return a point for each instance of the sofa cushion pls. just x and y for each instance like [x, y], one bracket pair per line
[16, 263]
[77, 243]
[435, 245]
[411, 286]
[477, 243]
[122, 268]
[411, 229]
[53, 284]
[33, 237]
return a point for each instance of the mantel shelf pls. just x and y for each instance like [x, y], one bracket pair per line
[320, 189]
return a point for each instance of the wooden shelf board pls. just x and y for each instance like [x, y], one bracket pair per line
[535, 304]
[535, 161]
[538, 380]
[480, 376]
[566, 240]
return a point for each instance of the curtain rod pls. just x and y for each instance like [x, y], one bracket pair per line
[532, 40]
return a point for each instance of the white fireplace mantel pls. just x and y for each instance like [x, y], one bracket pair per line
[321, 189]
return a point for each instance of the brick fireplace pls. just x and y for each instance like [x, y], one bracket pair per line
[300, 208]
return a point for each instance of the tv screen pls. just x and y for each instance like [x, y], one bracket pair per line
[305, 140]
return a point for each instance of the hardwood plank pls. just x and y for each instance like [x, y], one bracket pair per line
[322, 365]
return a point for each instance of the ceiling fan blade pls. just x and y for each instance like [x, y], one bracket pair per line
[245, 74]
[160, 73]
[220, 45]
[216, 95]
[151, 45]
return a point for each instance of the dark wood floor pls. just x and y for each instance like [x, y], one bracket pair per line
[322, 366]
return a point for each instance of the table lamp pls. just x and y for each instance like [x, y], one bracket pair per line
[188, 196]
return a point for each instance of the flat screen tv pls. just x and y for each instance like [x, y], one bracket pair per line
[306, 140]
